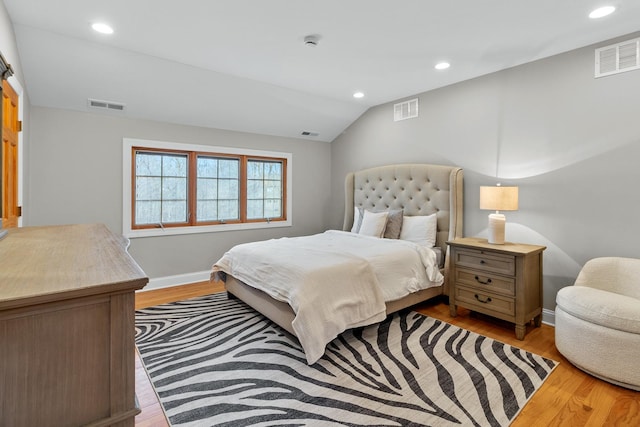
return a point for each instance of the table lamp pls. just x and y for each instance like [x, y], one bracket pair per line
[498, 199]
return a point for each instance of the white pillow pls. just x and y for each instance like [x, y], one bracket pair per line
[420, 229]
[373, 223]
[357, 219]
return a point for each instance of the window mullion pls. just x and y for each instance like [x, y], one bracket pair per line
[160, 223]
[133, 187]
[283, 183]
[192, 175]
[243, 188]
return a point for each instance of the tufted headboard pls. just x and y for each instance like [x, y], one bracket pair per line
[419, 189]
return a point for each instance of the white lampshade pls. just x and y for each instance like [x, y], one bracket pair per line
[498, 199]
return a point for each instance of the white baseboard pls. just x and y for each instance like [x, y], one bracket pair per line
[178, 279]
[549, 317]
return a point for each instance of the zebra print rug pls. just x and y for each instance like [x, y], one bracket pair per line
[215, 361]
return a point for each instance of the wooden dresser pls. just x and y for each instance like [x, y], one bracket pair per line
[67, 328]
[504, 281]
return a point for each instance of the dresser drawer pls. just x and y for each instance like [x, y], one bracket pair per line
[485, 281]
[479, 260]
[485, 302]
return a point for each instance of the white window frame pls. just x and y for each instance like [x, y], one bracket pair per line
[127, 159]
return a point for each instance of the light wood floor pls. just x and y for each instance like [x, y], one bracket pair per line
[569, 397]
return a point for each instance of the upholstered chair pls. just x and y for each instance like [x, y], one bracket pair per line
[598, 320]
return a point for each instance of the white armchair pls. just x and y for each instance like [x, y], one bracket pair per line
[598, 320]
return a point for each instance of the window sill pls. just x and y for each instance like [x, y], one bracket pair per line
[174, 231]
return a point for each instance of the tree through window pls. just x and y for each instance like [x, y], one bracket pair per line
[172, 188]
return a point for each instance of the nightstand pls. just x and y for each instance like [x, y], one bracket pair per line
[503, 281]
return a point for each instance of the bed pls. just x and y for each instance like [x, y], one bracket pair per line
[418, 190]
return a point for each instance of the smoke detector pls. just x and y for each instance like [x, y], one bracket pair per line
[311, 40]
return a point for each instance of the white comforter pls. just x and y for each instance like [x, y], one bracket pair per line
[333, 281]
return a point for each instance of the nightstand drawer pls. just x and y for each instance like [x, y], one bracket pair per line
[479, 260]
[485, 302]
[485, 281]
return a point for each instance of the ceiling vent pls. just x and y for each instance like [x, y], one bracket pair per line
[309, 133]
[405, 110]
[618, 58]
[105, 105]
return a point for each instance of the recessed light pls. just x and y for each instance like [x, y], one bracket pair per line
[358, 95]
[102, 28]
[442, 65]
[602, 12]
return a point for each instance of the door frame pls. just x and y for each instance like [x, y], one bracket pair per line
[17, 87]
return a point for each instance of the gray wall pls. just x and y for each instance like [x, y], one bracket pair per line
[569, 141]
[76, 164]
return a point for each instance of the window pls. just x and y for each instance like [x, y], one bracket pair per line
[160, 188]
[264, 189]
[218, 189]
[175, 189]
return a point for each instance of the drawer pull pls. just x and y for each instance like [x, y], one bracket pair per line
[481, 282]
[482, 261]
[485, 301]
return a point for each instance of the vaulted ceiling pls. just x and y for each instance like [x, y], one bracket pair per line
[243, 64]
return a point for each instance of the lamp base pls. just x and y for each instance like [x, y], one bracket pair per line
[496, 228]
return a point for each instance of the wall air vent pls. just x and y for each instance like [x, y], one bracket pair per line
[618, 58]
[405, 110]
[105, 105]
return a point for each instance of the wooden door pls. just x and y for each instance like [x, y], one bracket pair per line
[10, 128]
